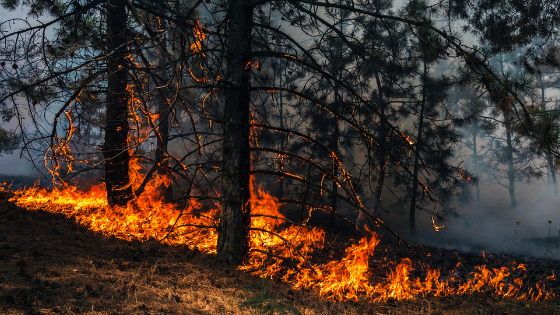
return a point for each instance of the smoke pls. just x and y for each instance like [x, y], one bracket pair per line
[497, 228]
[12, 164]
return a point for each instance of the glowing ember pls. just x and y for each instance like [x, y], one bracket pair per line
[279, 249]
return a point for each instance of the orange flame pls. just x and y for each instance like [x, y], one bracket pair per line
[199, 36]
[278, 248]
[147, 217]
[408, 140]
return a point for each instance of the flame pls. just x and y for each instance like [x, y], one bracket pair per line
[408, 140]
[252, 64]
[199, 36]
[279, 249]
[147, 217]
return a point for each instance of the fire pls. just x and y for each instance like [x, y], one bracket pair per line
[199, 36]
[145, 218]
[279, 249]
[349, 276]
[408, 140]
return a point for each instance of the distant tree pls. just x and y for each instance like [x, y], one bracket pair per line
[546, 141]
[514, 153]
[476, 125]
[506, 25]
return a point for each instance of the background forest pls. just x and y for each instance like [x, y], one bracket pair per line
[354, 114]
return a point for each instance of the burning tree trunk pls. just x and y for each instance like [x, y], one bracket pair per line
[235, 220]
[115, 148]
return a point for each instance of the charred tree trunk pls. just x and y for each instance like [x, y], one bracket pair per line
[235, 219]
[414, 192]
[115, 148]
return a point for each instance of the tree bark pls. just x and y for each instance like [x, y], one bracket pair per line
[115, 148]
[235, 220]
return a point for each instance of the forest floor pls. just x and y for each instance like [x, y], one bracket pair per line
[51, 265]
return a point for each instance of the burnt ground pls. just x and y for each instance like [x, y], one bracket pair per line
[51, 265]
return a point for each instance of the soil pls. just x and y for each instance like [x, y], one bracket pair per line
[51, 265]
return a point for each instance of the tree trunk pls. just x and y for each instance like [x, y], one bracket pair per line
[475, 158]
[383, 159]
[115, 148]
[381, 156]
[414, 192]
[302, 211]
[509, 157]
[361, 221]
[543, 103]
[235, 220]
[162, 108]
[509, 148]
[334, 199]
[552, 170]
[282, 144]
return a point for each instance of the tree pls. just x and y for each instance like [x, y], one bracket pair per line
[547, 140]
[218, 75]
[115, 149]
[89, 71]
[235, 220]
[476, 126]
[505, 105]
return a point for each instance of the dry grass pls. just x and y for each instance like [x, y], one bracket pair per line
[51, 265]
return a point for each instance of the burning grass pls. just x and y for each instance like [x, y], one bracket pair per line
[299, 255]
[51, 265]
